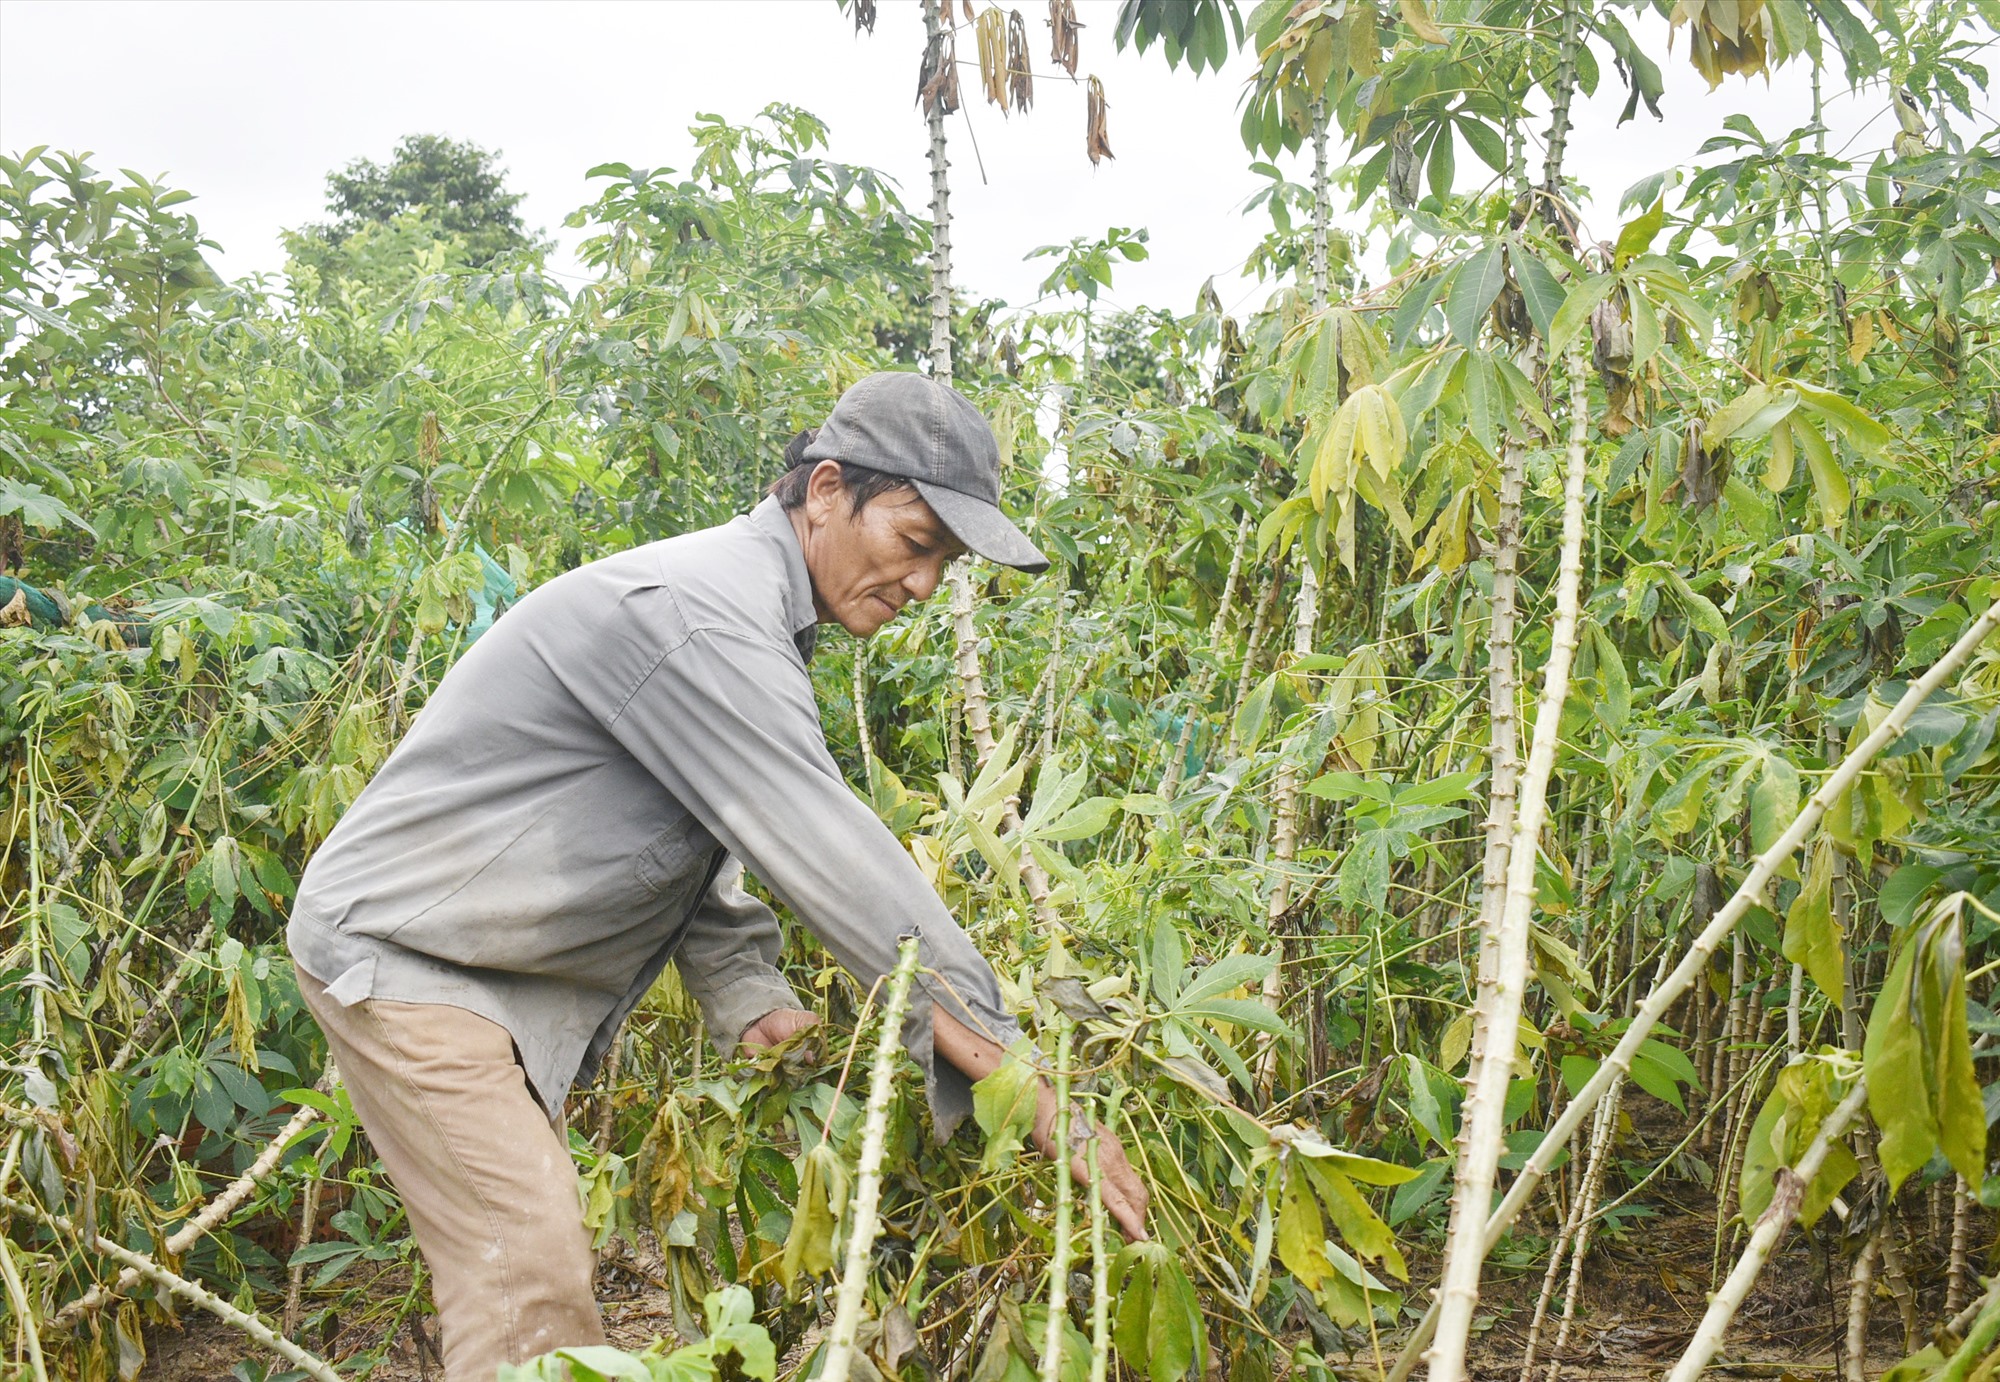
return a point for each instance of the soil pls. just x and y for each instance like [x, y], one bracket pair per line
[1641, 1299]
[1643, 1292]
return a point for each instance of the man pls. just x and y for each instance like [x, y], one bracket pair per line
[574, 808]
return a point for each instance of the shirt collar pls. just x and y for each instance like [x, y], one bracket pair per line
[770, 518]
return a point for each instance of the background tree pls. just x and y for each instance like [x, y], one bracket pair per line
[451, 188]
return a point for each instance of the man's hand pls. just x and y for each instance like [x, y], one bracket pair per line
[1125, 1195]
[775, 1027]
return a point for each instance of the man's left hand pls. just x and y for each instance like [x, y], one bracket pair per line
[776, 1027]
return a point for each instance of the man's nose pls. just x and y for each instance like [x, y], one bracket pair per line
[922, 583]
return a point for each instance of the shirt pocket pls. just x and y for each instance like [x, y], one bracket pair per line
[676, 858]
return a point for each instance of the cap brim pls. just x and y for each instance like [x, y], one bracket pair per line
[982, 527]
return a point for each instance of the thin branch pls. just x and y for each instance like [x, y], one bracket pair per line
[311, 1364]
[213, 1213]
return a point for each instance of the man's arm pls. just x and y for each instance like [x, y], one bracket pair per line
[727, 722]
[728, 962]
[1125, 1195]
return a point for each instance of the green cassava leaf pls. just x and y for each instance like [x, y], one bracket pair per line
[1637, 235]
[1812, 937]
[1774, 801]
[1477, 284]
[1158, 1326]
[1574, 314]
[1004, 1105]
[1539, 289]
[1922, 1091]
[1801, 1098]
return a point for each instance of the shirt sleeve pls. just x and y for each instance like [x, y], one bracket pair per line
[728, 959]
[727, 722]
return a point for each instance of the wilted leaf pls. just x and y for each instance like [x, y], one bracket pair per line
[1096, 139]
[1801, 1098]
[1922, 1091]
[816, 1215]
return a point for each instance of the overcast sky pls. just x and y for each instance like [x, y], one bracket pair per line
[249, 105]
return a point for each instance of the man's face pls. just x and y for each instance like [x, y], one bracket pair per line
[866, 566]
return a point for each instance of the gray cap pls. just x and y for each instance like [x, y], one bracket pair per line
[929, 433]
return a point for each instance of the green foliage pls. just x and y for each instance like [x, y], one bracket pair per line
[281, 496]
[1801, 1098]
[735, 1343]
[1159, 1329]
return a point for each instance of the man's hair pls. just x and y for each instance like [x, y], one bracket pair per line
[862, 483]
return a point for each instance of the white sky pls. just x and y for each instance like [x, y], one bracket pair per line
[249, 106]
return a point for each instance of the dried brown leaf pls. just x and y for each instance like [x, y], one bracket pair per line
[1096, 142]
[937, 81]
[1020, 77]
[1704, 470]
[1405, 181]
[1063, 31]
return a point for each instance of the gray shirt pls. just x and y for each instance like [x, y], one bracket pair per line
[568, 812]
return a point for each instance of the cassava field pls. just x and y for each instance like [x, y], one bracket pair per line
[1497, 800]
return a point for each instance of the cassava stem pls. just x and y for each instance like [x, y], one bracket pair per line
[1170, 780]
[978, 719]
[868, 1171]
[1479, 1154]
[214, 1212]
[312, 1365]
[1059, 1253]
[940, 211]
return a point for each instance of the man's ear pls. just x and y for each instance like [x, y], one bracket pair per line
[824, 489]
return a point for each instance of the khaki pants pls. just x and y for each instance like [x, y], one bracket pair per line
[489, 1186]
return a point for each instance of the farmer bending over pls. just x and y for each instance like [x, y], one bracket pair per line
[575, 807]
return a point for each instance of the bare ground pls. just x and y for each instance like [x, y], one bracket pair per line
[1641, 1299]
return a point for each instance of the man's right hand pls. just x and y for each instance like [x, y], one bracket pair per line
[775, 1027]
[1125, 1195]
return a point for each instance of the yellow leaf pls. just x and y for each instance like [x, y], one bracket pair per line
[1456, 1041]
[1419, 20]
[1860, 336]
[1333, 465]
[1381, 426]
[1382, 494]
[1829, 482]
[1363, 48]
[1319, 59]
[1778, 473]
[1452, 530]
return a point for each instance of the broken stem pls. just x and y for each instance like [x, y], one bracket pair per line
[312, 1365]
[1771, 1226]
